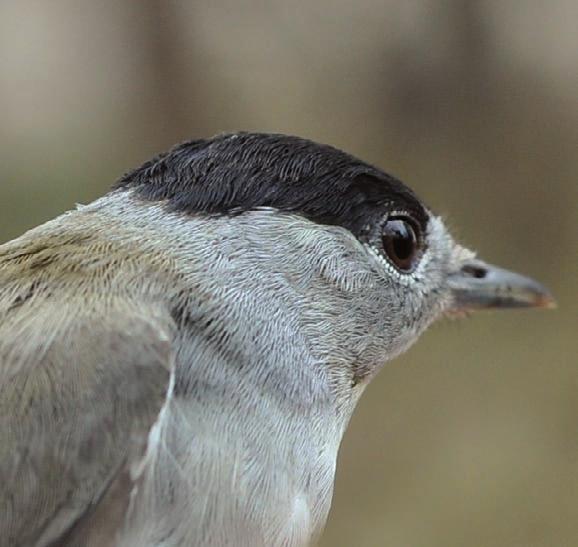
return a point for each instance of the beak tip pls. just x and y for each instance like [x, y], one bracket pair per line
[540, 297]
[546, 301]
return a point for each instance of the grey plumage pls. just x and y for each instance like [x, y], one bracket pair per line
[174, 377]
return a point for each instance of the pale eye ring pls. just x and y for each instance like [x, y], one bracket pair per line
[402, 242]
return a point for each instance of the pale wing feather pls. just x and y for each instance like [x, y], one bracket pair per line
[80, 390]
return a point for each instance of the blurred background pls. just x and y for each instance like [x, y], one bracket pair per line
[471, 439]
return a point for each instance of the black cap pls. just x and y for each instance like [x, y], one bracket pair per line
[234, 173]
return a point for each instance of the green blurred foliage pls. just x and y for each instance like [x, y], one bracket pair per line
[470, 438]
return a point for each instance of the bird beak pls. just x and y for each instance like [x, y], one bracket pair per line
[477, 285]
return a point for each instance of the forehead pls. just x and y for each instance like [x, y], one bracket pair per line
[234, 173]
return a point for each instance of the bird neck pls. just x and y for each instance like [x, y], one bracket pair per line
[241, 431]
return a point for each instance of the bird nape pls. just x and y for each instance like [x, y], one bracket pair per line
[180, 358]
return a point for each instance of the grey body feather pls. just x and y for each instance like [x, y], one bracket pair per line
[270, 331]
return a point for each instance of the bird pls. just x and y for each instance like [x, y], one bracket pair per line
[180, 358]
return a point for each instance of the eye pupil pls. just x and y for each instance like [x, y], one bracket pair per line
[400, 243]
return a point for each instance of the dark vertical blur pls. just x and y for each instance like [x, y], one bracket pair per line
[471, 438]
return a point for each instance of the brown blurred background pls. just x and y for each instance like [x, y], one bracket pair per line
[471, 439]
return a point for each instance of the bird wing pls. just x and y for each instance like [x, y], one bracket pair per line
[80, 389]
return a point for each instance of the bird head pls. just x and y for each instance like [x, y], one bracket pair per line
[338, 250]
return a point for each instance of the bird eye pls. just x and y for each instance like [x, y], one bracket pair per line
[402, 246]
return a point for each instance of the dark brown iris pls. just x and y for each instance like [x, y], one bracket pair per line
[401, 243]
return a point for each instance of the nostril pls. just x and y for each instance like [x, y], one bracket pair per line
[474, 271]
